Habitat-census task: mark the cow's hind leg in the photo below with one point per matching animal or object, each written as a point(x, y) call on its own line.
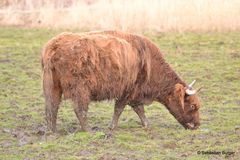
point(81, 109)
point(139, 109)
point(53, 93)
point(118, 109)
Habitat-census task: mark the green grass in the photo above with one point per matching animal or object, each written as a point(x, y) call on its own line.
point(213, 59)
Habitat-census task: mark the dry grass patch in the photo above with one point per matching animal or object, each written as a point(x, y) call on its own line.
point(134, 15)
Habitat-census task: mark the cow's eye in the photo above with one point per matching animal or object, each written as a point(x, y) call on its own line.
point(193, 107)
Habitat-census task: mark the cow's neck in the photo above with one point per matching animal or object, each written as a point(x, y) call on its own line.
point(163, 79)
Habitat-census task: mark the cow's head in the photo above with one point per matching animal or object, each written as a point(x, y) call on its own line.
point(183, 104)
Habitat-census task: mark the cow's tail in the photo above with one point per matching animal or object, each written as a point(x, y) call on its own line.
point(51, 90)
point(47, 77)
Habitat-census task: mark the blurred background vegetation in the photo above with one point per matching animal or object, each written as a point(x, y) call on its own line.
point(131, 15)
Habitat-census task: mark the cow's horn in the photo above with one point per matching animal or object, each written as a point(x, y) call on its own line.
point(191, 85)
point(190, 92)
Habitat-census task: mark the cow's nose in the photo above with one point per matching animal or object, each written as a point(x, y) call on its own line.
point(190, 125)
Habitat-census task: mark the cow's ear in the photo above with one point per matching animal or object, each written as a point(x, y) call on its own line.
point(179, 93)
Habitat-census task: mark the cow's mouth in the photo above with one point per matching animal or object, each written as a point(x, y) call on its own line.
point(191, 126)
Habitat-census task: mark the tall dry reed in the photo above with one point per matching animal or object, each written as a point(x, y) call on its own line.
point(131, 15)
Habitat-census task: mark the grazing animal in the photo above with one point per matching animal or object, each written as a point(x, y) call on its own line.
point(108, 65)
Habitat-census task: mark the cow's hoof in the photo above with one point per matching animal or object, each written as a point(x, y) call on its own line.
point(86, 129)
point(111, 126)
point(145, 125)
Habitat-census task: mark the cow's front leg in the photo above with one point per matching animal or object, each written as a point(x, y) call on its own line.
point(139, 109)
point(81, 110)
point(118, 109)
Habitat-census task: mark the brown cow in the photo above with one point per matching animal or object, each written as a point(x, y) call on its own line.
point(128, 68)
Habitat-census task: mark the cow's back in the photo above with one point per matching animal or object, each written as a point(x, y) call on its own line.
point(100, 66)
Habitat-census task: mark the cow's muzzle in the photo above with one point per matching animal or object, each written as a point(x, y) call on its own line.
point(191, 126)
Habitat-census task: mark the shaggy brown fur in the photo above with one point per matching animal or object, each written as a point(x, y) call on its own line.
point(112, 65)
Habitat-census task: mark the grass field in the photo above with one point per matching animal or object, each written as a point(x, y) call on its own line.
point(213, 59)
